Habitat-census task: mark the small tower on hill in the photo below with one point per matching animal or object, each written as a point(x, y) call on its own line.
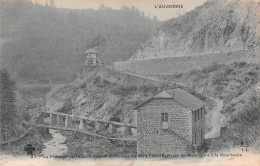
point(91, 61)
point(91, 58)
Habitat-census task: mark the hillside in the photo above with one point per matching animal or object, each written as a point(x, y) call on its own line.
point(242, 122)
point(214, 27)
point(41, 42)
point(111, 99)
point(235, 84)
point(110, 96)
point(185, 64)
point(15, 108)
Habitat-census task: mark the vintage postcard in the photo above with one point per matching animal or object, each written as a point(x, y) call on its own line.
point(130, 82)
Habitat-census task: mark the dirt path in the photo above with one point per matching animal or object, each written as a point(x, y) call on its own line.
point(55, 146)
point(215, 120)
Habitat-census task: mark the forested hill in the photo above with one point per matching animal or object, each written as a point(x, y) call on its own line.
point(38, 42)
point(215, 27)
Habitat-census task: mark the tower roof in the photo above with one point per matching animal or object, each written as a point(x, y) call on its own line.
point(91, 50)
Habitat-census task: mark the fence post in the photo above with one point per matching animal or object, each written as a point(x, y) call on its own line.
point(82, 124)
point(68, 122)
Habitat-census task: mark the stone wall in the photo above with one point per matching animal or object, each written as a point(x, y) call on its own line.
point(198, 126)
point(170, 66)
point(118, 77)
point(152, 139)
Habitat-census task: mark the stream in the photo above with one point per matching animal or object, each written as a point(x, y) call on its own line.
point(216, 120)
point(56, 146)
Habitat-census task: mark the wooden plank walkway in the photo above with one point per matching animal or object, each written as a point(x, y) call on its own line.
point(90, 119)
point(84, 132)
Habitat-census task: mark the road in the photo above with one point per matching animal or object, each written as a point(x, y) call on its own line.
point(215, 120)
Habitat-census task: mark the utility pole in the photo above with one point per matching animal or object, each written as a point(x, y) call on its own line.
point(96, 102)
point(44, 101)
point(44, 108)
point(73, 127)
point(94, 112)
point(123, 101)
point(50, 81)
point(95, 133)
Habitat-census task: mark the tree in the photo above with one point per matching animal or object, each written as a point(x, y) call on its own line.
point(46, 4)
point(154, 18)
point(101, 7)
point(52, 3)
point(7, 99)
point(143, 15)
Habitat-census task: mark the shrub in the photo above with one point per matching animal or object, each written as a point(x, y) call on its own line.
point(26, 116)
point(116, 119)
point(123, 90)
point(213, 67)
point(97, 80)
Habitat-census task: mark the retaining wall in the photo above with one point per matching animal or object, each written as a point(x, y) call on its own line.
point(170, 66)
point(114, 76)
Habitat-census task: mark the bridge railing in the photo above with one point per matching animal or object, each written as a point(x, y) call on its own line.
point(82, 124)
point(90, 119)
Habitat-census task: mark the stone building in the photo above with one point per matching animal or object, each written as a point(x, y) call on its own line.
point(91, 58)
point(170, 123)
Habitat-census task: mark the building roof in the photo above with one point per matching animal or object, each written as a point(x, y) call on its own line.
point(181, 96)
point(91, 50)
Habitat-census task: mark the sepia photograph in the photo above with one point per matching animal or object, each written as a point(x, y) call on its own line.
point(130, 82)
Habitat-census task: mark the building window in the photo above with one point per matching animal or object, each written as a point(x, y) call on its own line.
point(195, 115)
point(195, 138)
point(198, 114)
point(201, 113)
point(164, 117)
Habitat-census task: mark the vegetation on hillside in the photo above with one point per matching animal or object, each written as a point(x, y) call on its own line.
point(41, 42)
point(236, 85)
point(15, 104)
point(100, 98)
point(216, 26)
point(10, 122)
point(232, 83)
point(109, 100)
point(242, 123)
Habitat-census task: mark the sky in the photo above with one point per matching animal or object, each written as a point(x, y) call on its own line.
point(148, 6)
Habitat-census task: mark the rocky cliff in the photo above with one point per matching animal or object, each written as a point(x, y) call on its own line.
point(108, 95)
point(214, 27)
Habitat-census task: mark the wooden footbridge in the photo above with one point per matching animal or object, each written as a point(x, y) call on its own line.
point(86, 125)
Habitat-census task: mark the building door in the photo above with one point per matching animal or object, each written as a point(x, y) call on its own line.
point(90, 62)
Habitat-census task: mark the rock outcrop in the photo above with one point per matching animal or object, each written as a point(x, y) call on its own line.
point(214, 27)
